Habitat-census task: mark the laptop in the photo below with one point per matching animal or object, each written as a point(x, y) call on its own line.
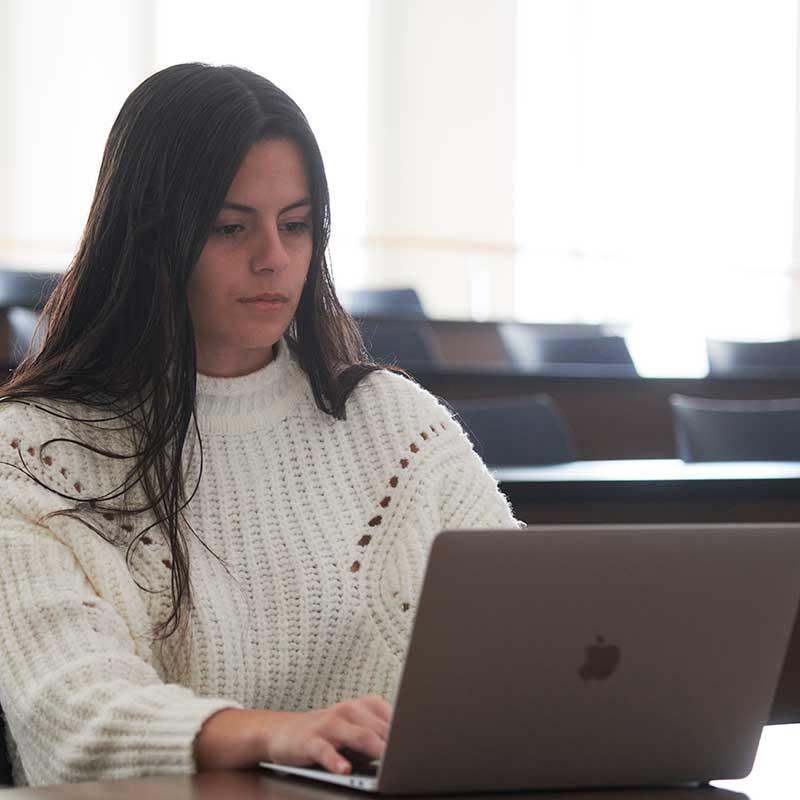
point(558, 657)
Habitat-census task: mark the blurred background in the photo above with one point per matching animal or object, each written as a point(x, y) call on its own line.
point(630, 163)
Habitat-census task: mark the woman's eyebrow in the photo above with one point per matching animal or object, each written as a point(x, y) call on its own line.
point(303, 201)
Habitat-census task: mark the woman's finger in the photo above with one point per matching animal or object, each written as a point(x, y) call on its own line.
point(355, 737)
point(326, 755)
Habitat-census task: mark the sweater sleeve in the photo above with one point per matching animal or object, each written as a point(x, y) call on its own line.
point(450, 479)
point(78, 685)
point(468, 494)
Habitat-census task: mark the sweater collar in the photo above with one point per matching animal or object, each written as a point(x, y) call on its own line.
point(254, 401)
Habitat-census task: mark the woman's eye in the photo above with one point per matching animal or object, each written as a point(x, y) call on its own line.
point(296, 227)
point(229, 231)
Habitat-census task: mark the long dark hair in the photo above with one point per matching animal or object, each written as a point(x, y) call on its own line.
point(117, 330)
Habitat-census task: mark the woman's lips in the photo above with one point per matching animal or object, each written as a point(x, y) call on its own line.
point(265, 305)
point(265, 297)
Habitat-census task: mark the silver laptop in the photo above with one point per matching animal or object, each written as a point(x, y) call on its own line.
point(589, 656)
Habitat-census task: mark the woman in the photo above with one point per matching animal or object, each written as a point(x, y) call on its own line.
point(214, 511)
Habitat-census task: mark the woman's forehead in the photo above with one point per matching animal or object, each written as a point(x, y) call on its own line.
point(272, 176)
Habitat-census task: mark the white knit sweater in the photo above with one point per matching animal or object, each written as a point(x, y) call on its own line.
point(324, 527)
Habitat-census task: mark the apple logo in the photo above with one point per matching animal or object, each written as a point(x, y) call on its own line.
point(601, 660)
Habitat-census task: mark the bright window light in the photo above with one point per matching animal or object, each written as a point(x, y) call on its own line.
point(655, 169)
point(317, 52)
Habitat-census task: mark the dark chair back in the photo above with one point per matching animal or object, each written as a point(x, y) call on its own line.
point(404, 303)
point(407, 343)
point(737, 358)
point(521, 339)
point(531, 350)
point(517, 431)
point(22, 296)
point(6, 778)
point(736, 430)
point(26, 289)
point(23, 335)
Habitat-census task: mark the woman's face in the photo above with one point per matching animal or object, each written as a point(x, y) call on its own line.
point(245, 287)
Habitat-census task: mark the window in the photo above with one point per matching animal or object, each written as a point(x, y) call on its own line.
point(64, 77)
point(656, 166)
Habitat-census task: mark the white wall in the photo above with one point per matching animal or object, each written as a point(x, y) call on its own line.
point(64, 62)
point(441, 153)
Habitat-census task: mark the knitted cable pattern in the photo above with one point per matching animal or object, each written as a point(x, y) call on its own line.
point(322, 527)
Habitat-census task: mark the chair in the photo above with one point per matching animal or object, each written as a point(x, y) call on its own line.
point(531, 350)
point(517, 431)
point(22, 333)
point(6, 778)
point(737, 358)
point(403, 303)
point(22, 296)
point(736, 430)
point(26, 289)
point(409, 343)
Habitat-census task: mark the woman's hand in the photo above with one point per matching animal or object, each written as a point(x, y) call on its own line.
point(317, 737)
point(235, 738)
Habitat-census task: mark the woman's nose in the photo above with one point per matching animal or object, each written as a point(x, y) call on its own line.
point(270, 252)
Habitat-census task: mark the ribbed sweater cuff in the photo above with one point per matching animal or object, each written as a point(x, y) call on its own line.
point(154, 735)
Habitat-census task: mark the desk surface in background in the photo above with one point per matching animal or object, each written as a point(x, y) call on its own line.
point(652, 469)
point(653, 491)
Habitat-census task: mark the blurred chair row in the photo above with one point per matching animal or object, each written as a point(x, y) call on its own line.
point(532, 430)
point(501, 346)
point(397, 329)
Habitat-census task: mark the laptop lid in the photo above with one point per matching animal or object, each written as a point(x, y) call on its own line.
point(570, 656)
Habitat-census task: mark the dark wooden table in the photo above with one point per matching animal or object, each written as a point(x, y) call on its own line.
point(653, 491)
point(775, 776)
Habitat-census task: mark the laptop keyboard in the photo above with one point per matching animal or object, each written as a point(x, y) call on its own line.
point(361, 764)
